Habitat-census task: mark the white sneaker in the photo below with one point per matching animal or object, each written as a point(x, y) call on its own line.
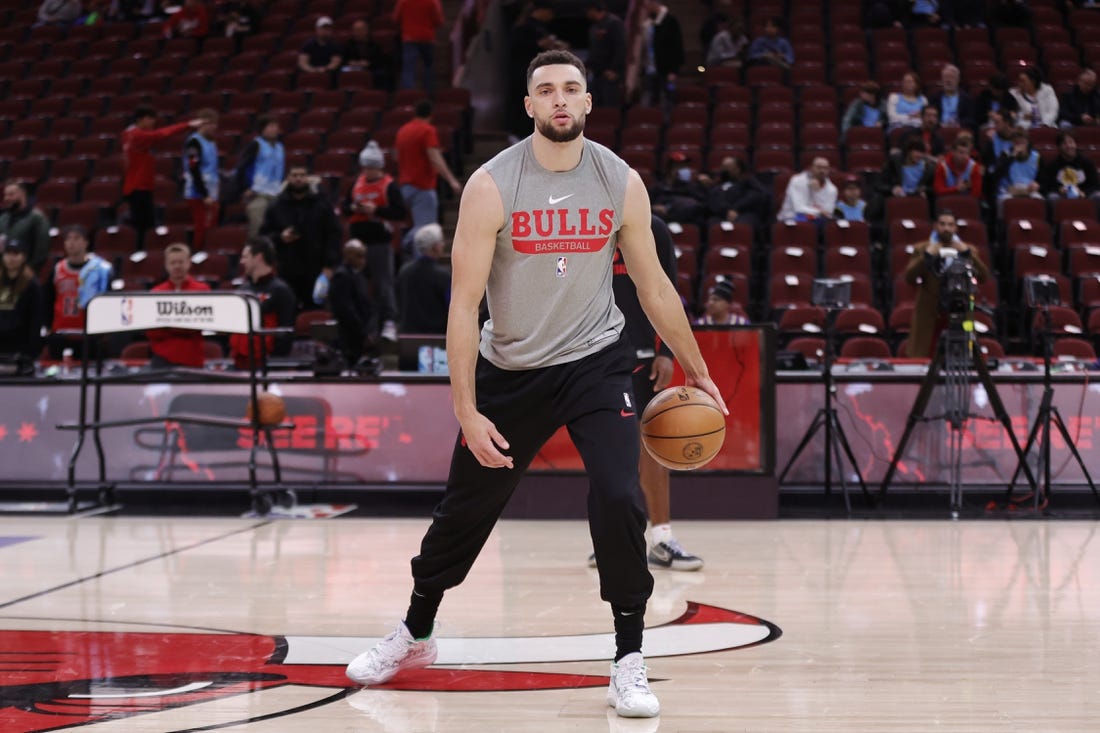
point(389, 331)
point(397, 652)
point(629, 691)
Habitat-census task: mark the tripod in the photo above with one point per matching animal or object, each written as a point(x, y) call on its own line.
point(1048, 413)
point(955, 352)
point(826, 417)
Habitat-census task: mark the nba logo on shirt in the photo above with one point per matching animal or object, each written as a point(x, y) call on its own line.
point(126, 311)
point(561, 266)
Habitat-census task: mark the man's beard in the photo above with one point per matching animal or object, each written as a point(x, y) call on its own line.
point(556, 135)
point(298, 190)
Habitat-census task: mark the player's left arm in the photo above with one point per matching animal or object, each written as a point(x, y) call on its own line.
point(658, 296)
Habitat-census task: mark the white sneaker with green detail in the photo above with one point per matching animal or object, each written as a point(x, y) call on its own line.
point(397, 652)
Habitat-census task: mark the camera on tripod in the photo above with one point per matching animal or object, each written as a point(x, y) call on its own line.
point(958, 284)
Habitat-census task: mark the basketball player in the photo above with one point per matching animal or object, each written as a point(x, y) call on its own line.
point(652, 374)
point(537, 229)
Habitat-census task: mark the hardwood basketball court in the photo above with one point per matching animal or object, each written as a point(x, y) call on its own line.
point(185, 624)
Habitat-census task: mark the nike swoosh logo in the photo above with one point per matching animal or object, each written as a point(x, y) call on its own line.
point(624, 413)
point(553, 200)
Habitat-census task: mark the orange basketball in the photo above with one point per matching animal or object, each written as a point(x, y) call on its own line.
point(272, 409)
point(683, 428)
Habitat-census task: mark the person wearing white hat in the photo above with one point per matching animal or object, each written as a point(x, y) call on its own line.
point(373, 202)
point(321, 53)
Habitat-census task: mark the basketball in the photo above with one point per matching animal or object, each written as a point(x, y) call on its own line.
point(272, 409)
point(683, 428)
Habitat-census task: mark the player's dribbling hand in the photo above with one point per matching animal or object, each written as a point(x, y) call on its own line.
point(483, 439)
point(710, 388)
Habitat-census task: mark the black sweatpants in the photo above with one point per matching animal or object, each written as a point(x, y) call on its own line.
point(593, 398)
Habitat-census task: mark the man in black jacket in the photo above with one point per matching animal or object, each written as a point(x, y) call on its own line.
point(349, 301)
point(737, 197)
point(662, 52)
point(306, 233)
point(1081, 105)
point(423, 286)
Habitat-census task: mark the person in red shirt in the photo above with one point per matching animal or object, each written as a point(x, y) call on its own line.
point(192, 21)
point(418, 21)
point(419, 163)
point(137, 159)
point(172, 347)
point(957, 172)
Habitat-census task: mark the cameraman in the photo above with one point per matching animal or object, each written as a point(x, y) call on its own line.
point(928, 262)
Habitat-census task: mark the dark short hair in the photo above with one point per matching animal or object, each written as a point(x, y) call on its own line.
point(263, 248)
point(946, 212)
point(75, 229)
point(263, 121)
point(143, 111)
point(423, 108)
point(914, 143)
point(552, 58)
point(1063, 135)
point(1019, 133)
point(1033, 73)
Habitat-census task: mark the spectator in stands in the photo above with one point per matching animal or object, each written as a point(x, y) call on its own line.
point(202, 175)
point(320, 53)
point(374, 201)
point(1070, 175)
point(239, 18)
point(867, 110)
point(719, 309)
point(137, 158)
point(928, 133)
point(530, 36)
point(681, 197)
point(1038, 104)
point(851, 206)
point(278, 307)
point(957, 172)
point(1017, 171)
point(306, 233)
point(996, 97)
point(1080, 106)
point(909, 173)
point(903, 109)
point(172, 347)
point(737, 196)
point(925, 13)
point(73, 281)
point(810, 195)
point(606, 55)
point(191, 21)
point(350, 303)
point(361, 53)
point(420, 162)
point(771, 48)
point(925, 265)
point(662, 52)
point(418, 21)
point(998, 137)
point(954, 105)
point(59, 11)
point(424, 286)
point(261, 171)
point(21, 309)
point(729, 46)
point(25, 223)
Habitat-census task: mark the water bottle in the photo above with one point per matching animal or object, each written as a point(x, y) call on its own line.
point(320, 289)
point(67, 362)
point(424, 360)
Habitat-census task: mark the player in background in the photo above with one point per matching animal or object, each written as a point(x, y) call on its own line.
point(652, 374)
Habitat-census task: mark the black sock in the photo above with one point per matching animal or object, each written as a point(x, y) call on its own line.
point(420, 619)
point(629, 622)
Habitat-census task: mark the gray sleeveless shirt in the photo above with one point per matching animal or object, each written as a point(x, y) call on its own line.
point(549, 290)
